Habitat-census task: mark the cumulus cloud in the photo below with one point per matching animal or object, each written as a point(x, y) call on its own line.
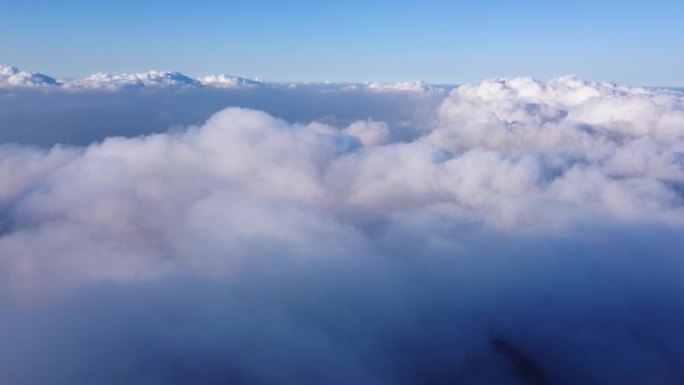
point(594, 145)
point(12, 77)
point(21, 166)
point(520, 232)
point(157, 79)
point(369, 132)
point(151, 79)
point(229, 81)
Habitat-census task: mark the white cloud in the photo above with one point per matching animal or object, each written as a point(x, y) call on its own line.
point(11, 77)
point(151, 79)
point(544, 214)
point(417, 86)
point(228, 81)
point(21, 167)
point(624, 143)
point(369, 132)
point(511, 162)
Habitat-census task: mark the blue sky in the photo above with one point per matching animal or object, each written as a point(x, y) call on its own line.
point(630, 42)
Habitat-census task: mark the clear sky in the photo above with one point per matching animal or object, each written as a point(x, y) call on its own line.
point(631, 42)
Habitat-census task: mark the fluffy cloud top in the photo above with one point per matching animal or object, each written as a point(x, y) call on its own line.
point(574, 136)
point(525, 232)
point(228, 81)
point(151, 79)
point(11, 77)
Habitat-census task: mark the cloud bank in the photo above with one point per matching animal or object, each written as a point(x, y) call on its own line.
point(513, 232)
point(151, 79)
point(82, 111)
point(12, 78)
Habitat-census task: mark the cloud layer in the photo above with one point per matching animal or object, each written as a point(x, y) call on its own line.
point(515, 232)
point(13, 78)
